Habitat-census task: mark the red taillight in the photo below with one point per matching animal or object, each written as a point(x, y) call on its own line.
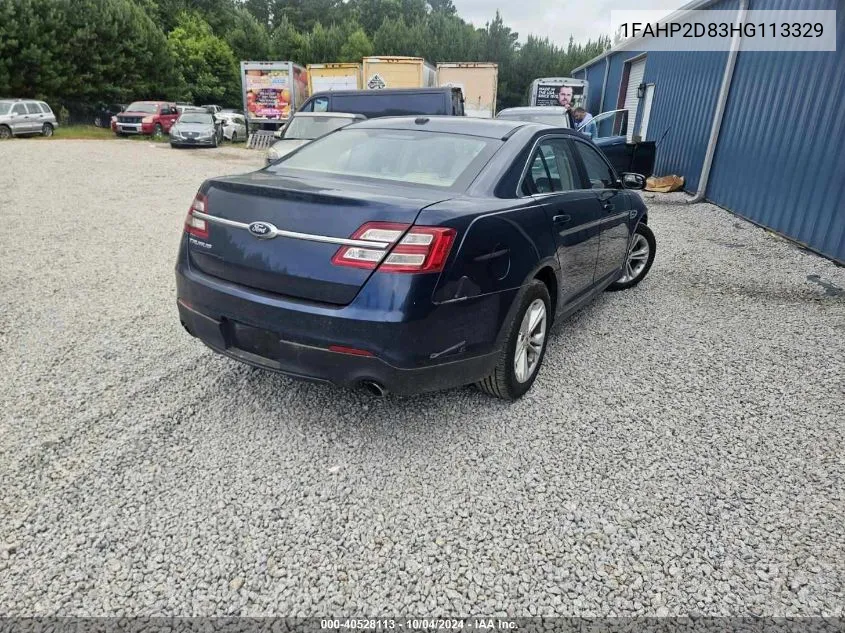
point(194, 225)
point(423, 249)
point(354, 351)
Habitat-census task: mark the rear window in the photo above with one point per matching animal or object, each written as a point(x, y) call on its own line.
point(372, 104)
point(424, 158)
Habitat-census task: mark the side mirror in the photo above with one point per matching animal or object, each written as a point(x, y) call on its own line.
point(633, 181)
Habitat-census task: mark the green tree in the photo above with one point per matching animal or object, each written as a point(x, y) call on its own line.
point(357, 45)
point(249, 39)
point(207, 63)
point(286, 43)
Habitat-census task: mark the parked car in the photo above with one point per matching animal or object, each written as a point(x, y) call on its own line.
point(104, 113)
point(635, 155)
point(389, 102)
point(410, 254)
point(234, 125)
point(21, 117)
point(187, 107)
point(196, 129)
point(145, 117)
point(304, 127)
point(550, 115)
point(213, 109)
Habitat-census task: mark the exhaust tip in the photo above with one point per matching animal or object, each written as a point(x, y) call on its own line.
point(374, 388)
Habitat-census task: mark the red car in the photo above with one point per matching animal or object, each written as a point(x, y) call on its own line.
point(145, 117)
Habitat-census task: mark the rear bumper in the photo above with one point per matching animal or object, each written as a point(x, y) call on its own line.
point(436, 348)
point(191, 142)
point(321, 365)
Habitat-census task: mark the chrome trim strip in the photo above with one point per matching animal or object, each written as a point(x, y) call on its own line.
point(324, 239)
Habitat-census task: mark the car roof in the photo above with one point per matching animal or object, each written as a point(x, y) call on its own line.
point(487, 128)
point(386, 91)
point(534, 110)
point(342, 115)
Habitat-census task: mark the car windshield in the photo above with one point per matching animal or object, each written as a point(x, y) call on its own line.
point(140, 106)
point(549, 119)
point(426, 158)
point(5, 107)
point(310, 127)
point(196, 117)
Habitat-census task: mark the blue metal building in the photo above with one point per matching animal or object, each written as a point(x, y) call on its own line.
point(778, 155)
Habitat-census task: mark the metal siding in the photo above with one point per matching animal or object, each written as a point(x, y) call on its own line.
point(780, 160)
point(686, 86)
point(594, 75)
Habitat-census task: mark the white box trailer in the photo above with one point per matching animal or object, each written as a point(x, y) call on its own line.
point(558, 91)
point(398, 72)
point(478, 82)
point(327, 77)
point(272, 91)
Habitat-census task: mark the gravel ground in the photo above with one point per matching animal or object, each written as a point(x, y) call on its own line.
point(681, 451)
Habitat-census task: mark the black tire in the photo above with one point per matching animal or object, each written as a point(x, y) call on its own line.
point(216, 141)
point(646, 233)
point(234, 138)
point(158, 131)
point(502, 381)
point(5, 132)
point(47, 130)
point(98, 122)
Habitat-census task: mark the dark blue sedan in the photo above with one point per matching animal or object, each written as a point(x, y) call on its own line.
point(410, 254)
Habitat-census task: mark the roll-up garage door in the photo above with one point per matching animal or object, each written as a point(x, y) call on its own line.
point(635, 78)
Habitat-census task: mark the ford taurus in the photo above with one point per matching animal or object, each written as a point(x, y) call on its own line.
point(410, 254)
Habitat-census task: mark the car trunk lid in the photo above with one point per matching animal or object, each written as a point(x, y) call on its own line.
point(251, 219)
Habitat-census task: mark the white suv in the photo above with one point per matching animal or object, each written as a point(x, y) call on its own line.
point(19, 117)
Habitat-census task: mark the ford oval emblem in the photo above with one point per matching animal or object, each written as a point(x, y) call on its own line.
point(264, 230)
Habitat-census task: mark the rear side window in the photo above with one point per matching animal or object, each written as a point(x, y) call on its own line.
point(425, 158)
point(599, 173)
point(33, 108)
point(374, 104)
point(552, 169)
point(45, 108)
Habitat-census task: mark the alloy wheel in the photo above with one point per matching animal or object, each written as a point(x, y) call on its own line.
point(637, 258)
point(530, 341)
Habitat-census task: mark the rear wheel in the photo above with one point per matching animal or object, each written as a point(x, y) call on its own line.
point(640, 257)
point(46, 130)
point(523, 351)
point(234, 137)
point(158, 131)
point(5, 132)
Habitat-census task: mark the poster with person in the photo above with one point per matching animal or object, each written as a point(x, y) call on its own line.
point(560, 95)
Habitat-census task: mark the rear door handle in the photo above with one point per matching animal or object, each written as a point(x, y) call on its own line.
point(561, 219)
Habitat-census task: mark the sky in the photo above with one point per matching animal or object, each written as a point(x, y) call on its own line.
point(555, 19)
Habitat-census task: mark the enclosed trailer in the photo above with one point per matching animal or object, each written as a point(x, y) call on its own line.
point(272, 91)
point(558, 91)
point(478, 82)
point(398, 72)
point(326, 77)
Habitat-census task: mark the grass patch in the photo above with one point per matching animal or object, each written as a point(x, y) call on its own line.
point(82, 132)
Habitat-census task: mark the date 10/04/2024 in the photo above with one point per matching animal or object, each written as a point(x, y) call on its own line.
point(419, 624)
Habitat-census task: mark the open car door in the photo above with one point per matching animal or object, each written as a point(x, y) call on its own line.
point(611, 138)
